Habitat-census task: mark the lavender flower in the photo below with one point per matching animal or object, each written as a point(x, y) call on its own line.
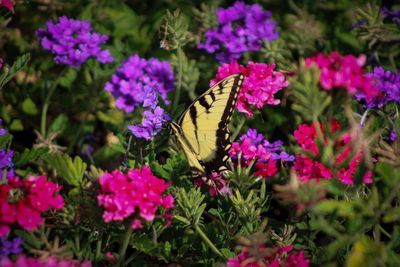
point(6, 163)
point(241, 28)
point(2, 130)
point(151, 124)
point(139, 82)
point(388, 85)
point(8, 247)
point(393, 135)
point(73, 42)
point(393, 14)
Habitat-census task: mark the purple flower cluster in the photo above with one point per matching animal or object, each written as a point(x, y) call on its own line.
point(388, 85)
point(73, 42)
point(241, 28)
point(2, 130)
point(8, 247)
point(139, 82)
point(393, 14)
point(6, 156)
point(151, 124)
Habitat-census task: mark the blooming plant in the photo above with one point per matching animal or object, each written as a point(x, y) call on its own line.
point(91, 173)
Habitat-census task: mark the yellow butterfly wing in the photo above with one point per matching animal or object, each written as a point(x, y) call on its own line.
point(202, 131)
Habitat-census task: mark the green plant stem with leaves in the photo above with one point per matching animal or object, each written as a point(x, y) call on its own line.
point(178, 90)
point(47, 103)
point(125, 243)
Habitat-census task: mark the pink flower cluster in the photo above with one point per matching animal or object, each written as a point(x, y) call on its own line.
point(282, 256)
point(216, 184)
point(124, 194)
point(7, 4)
point(310, 169)
point(25, 261)
point(343, 72)
point(260, 84)
point(23, 201)
point(254, 148)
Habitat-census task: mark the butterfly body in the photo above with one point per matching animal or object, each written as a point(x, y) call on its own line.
point(202, 130)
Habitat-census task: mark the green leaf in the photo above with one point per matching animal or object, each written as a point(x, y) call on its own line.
point(16, 125)
point(71, 171)
point(19, 64)
point(28, 155)
point(227, 253)
point(68, 78)
point(59, 124)
point(392, 215)
point(327, 206)
point(29, 107)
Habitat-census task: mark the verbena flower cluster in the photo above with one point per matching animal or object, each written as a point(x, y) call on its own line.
point(346, 72)
point(139, 82)
point(137, 194)
point(241, 28)
point(216, 184)
point(388, 85)
point(23, 201)
point(260, 84)
point(7, 4)
point(26, 261)
point(151, 124)
point(393, 14)
point(8, 247)
point(6, 156)
point(255, 148)
point(73, 42)
point(309, 169)
point(283, 256)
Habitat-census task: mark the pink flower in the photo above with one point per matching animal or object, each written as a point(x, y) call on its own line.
point(309, 169)
point(343, 72)
point(260, 84)
point(25, 261)
point(7, 4)
point(273, 258)
point(255, 148)
point(35, 195)
point(216, 184)
point(137, 193)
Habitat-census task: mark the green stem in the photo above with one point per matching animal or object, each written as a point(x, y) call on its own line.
point(207, 241)
point(179, 81)
point(125, 243)
point(240, 126)
point(98, 248)
point(47, 102)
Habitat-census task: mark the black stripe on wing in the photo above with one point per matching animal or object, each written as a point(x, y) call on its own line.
point(223, 142)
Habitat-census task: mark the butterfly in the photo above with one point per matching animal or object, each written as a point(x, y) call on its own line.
point(202, 130)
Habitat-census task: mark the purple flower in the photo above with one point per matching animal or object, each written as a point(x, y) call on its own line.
point(393, 14)
point(388, 85)
point(151, 124)
point(8, 247)
point(6, 163)
point(393, 135)
point(73, 42)
point(241, 28)
point(2, 130)
point(139, 82)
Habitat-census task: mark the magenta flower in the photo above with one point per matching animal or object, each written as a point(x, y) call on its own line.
point(9, 4)
point(255, 148)
point(23, 261)
point(137, 193)
point(36, 195)
point(343, 72)
point(260, 84)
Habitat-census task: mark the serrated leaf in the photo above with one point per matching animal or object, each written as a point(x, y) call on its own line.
point(19, 64)
point(28, 155)
point(71, 170)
